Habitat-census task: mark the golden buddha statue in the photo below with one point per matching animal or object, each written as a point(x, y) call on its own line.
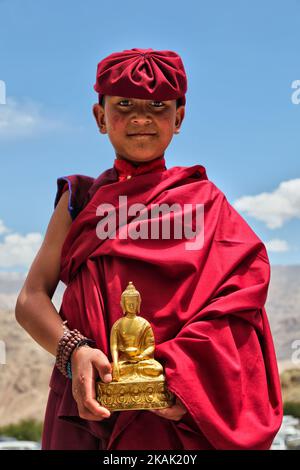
point(132, 342)
point(138, 381)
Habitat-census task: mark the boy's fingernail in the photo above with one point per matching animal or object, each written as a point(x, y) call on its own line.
point(108, 377)
point(105, 412)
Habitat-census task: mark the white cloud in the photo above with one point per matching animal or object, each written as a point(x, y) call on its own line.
point(24, 119)
point(3, 228)
point(274, 208)
point(19, 250)
point(277, 246)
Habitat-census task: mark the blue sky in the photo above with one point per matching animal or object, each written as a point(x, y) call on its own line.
point(241, 59)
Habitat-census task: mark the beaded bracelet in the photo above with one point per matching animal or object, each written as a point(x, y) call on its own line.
point(83, 342)
point(68, 342)
point(69, 370)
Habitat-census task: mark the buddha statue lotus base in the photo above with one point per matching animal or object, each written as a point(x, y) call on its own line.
point(134, 395)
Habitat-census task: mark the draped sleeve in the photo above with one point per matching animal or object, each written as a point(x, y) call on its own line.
point(78, 186)
point(222, 363)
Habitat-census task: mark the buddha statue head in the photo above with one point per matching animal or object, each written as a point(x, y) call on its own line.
point(130, 300)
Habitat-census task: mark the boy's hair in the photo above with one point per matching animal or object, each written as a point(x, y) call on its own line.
point(102, 101)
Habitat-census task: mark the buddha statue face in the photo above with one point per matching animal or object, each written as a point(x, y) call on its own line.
point(131, 304)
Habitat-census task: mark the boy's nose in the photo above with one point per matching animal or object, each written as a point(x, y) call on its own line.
point(141, 120)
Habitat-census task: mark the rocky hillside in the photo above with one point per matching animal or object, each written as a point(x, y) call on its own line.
point(25, 375)
point(283, 308)
point(290, 385)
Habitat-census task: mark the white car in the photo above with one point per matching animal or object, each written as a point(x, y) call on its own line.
point(20, 445)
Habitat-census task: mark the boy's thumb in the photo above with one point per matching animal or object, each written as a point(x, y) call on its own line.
point(104, 368)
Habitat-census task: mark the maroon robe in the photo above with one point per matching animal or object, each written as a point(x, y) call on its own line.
point(206, 308)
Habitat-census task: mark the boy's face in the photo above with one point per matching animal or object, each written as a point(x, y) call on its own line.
point(123, 118)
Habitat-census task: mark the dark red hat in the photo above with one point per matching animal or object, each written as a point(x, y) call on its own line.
point(142, 73)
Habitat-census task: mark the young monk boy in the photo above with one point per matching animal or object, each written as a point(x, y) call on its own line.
point(204, 300)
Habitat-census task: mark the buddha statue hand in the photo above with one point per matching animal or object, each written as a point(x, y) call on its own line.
point(140, 357)
point(131, 352)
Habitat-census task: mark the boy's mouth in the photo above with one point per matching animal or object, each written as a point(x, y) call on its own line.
point(141, 135)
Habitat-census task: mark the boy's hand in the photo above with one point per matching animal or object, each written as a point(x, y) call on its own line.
point(174, 412)
point(86, 362)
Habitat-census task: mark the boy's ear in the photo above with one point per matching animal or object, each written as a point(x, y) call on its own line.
point(99, 115)
point(179, 118)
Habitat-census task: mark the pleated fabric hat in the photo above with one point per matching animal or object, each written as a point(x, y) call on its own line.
point(142, 73)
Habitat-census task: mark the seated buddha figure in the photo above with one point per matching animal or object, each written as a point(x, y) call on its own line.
point(132, 343)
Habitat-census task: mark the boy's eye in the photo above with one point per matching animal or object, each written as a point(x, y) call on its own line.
point(159, 102)
point(124, 101)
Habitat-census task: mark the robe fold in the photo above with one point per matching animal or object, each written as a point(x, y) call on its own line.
point(205, 305)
